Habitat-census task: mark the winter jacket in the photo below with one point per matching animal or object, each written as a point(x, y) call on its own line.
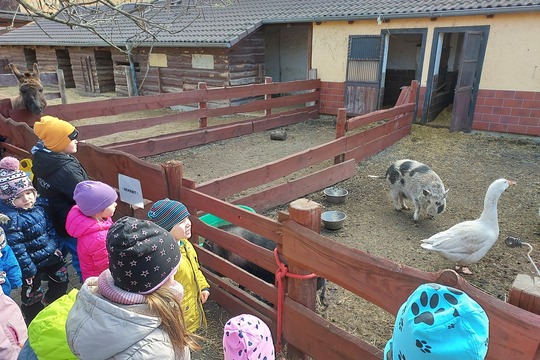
point(14, 332)
point(56, 175)
point(91, 241)
point(47, 332)
point(31, 236)
point(97, 328)
point(191, 277)
point(10, 265)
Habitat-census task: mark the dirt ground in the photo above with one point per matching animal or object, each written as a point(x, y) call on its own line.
point(467, 164)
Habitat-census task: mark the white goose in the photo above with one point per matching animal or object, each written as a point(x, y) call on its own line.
point(467, 242)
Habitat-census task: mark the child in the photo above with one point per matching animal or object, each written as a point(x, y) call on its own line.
point(56, 173)
point(32, 238)
point(132, 310)
point(10, 271)
point(247, 337)
point(89, 221)
point(13, 333)
point(173, 216)
point(47, 332)
point(439, 322)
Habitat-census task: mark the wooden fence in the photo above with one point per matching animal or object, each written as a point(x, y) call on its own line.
point(514, 332)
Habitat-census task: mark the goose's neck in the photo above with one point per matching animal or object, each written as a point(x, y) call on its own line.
point(490, 206)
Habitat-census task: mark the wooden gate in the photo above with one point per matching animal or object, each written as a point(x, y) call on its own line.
point(463, 109)
point(363, 74)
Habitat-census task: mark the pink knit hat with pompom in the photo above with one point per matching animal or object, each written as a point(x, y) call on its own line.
point(12, 180)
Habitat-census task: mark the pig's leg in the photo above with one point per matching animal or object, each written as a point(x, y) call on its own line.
point(416, 210)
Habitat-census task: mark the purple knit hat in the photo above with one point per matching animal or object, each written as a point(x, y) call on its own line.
point(12, 180)
point(167, 213)
point(142, 256)
point(247, 337)
point(93, 197)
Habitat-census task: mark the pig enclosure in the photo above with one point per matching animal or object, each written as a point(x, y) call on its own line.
point(467, 164)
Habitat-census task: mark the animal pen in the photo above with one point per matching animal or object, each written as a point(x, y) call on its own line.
point(301, 250)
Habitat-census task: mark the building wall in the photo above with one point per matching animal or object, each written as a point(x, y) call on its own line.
point(511, 68)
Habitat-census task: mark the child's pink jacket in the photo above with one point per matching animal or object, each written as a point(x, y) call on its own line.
point(14, 332)
point(91, 241)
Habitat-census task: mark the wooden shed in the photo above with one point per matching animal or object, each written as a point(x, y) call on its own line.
point(476, 57)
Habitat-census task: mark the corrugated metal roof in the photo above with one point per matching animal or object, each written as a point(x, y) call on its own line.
point(223, 26)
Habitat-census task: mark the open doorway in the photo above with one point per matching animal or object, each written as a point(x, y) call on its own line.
point(379, 66)
point(64, 63)
point(454, 76)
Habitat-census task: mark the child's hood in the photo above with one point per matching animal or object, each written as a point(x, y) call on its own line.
point(78, 224)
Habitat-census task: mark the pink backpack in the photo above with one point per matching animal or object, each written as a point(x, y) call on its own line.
point(14, 332)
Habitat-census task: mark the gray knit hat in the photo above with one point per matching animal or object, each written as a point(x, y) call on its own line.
point(142, 256)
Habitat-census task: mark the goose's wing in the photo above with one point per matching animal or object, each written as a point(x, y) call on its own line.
point(466, 238)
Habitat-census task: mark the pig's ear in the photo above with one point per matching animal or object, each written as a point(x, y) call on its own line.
point(426, 192)
point(446, 192)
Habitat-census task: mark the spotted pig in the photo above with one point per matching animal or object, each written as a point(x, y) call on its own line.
point(417, 182)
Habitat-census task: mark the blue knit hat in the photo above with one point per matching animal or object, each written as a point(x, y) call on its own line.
point(167, 213)
point(439, 323)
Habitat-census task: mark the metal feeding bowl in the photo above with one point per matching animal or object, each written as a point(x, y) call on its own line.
point(335, 195)
point(333, 220)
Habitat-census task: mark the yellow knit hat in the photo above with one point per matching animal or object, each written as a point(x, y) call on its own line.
point(54, 132)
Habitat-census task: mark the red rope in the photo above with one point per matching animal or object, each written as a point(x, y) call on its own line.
point(281, 272)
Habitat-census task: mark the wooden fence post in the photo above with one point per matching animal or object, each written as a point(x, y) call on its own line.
point(173, 175)
point(62, 85)
point(304, 291)
point(341, 129)
point(525, 293)
point(267, 80)
point(312, 75)
point(203, 122)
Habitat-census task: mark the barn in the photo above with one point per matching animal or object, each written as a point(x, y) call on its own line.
point(477, 57)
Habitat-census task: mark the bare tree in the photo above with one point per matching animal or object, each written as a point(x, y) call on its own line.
point(121, 23)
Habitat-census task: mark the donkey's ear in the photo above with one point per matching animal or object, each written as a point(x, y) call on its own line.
point(36, 70)
point(15, 71)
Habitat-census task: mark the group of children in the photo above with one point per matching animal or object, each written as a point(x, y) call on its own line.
point(139, 276)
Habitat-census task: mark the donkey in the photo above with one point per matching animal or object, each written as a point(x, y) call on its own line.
point(31, 95)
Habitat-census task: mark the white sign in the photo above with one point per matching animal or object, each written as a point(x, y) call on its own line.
point(130, 191)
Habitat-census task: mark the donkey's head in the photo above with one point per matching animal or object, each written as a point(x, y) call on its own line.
point(31, 94)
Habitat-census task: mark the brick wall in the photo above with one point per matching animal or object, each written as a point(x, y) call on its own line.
point(515, 112)
point(332, 97)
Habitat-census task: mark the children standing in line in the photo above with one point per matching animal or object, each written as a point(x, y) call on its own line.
point(246, 337)
point(56, 173)
point(89, 221)
point(10, 271)
point(132, 310)
point(173, 216)
point(32, 238)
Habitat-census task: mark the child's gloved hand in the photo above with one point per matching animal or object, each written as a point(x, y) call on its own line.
point(4, 219)
point(3, 277)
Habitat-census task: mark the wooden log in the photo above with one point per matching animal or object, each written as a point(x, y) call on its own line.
point(525, 293)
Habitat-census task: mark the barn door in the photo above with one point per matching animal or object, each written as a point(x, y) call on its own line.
point(363, 74)
point(462, 112)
